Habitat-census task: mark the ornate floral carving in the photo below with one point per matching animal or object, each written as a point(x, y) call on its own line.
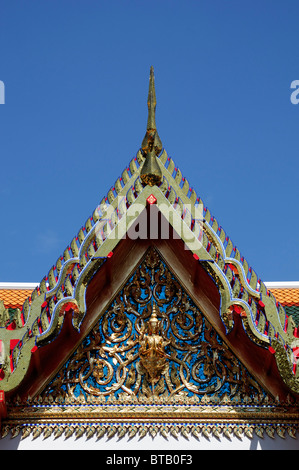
point(153, 342)
point(152, 364)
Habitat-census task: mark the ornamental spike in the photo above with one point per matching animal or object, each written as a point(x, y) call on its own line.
point(151, 102)
point(151, 144)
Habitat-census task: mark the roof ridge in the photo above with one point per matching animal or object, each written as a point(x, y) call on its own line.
point(18, 285)
point(282, 284)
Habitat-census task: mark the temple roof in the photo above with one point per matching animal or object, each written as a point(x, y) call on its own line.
point(14, 295)
point(60, 306)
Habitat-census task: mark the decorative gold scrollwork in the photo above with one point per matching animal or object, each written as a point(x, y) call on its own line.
point(153, 342)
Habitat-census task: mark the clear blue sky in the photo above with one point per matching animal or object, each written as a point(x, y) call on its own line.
point(76, 81)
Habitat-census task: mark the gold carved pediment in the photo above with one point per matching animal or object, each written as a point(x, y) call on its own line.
point(153, 341)
point(152, 363)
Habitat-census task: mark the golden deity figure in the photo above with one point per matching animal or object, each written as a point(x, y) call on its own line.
point(152, 347)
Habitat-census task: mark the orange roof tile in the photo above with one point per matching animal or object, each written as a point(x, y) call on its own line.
point(14, 298)
point(286, 296)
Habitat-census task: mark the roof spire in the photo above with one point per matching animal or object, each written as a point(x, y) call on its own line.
point(151, 144)
point(151, 101)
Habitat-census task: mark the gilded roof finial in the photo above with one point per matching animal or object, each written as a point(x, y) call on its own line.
point(151, 144)
point(151, 102)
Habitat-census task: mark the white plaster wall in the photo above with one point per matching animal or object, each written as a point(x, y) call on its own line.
point(148, 443)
